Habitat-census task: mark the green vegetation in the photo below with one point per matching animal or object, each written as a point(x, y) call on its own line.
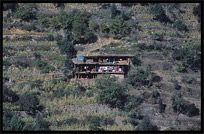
point(138, 76)
point(183, 106)
point(111, 92)
point(12, 122)
point(43, 66)
point(161, 106)
point(29, 102)
point(146, 125)
point(25, 11)
point(9, 95)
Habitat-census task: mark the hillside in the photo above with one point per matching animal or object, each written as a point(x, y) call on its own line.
point(163, 86)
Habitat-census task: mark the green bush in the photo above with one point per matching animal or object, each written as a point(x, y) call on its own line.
point(159, 12)
point(133, 116)
point(161, 106)
point(154, 96)
point(95, 124)
point(24, 11)
point(138, 76)
point(93, 26)
point(181, 68)
point(146, 125)
point(29, 102)
point(65, 45)
point(43, 66)
point(197, 12)
point(111, 92)
point(50, 37)
point(70, 121)
point(176, 85)
point(119, 27)
point(39, 125)
point(180, 26)
point(12, 6)
point(133, 102)
point(9, 95)
point(114, 11)
point(136, 61)
point(182, 106)
point(12, 122)
point(189, 54)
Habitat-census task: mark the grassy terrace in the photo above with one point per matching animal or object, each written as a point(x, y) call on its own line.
point(27, 43)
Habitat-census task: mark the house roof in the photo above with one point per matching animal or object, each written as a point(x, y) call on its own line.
point(109, 55)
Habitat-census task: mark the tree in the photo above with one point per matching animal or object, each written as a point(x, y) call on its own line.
point(25, 12)
point(111, 92)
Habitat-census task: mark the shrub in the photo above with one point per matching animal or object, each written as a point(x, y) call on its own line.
point(158, 36)
point(69, 65)
point(138, 76)
point(114, 10)
point(6, 63)
point(40, 124)
point(136, 61)
point(133, 102)
point(12, 122)
point(111, 92)
point(29, 102)
point(103, 27)
point(7, 6)
point(154, 96)
point(182, 106)
point(146, 125)
point(93, 25)
point(70, 121)
point(50, 37)
point(161, 106)
point(24, 11)
point(9, 95)
point(133, 116)
point(159, 12)
point(197, 12)
point(65, 45)
point(95, 124)
point(176, 85)
point(43, 66)
point(181, 68)
point(119, 27)
point(180, 26)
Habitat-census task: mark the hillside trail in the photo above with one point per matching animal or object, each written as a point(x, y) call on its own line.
point(94, 46)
